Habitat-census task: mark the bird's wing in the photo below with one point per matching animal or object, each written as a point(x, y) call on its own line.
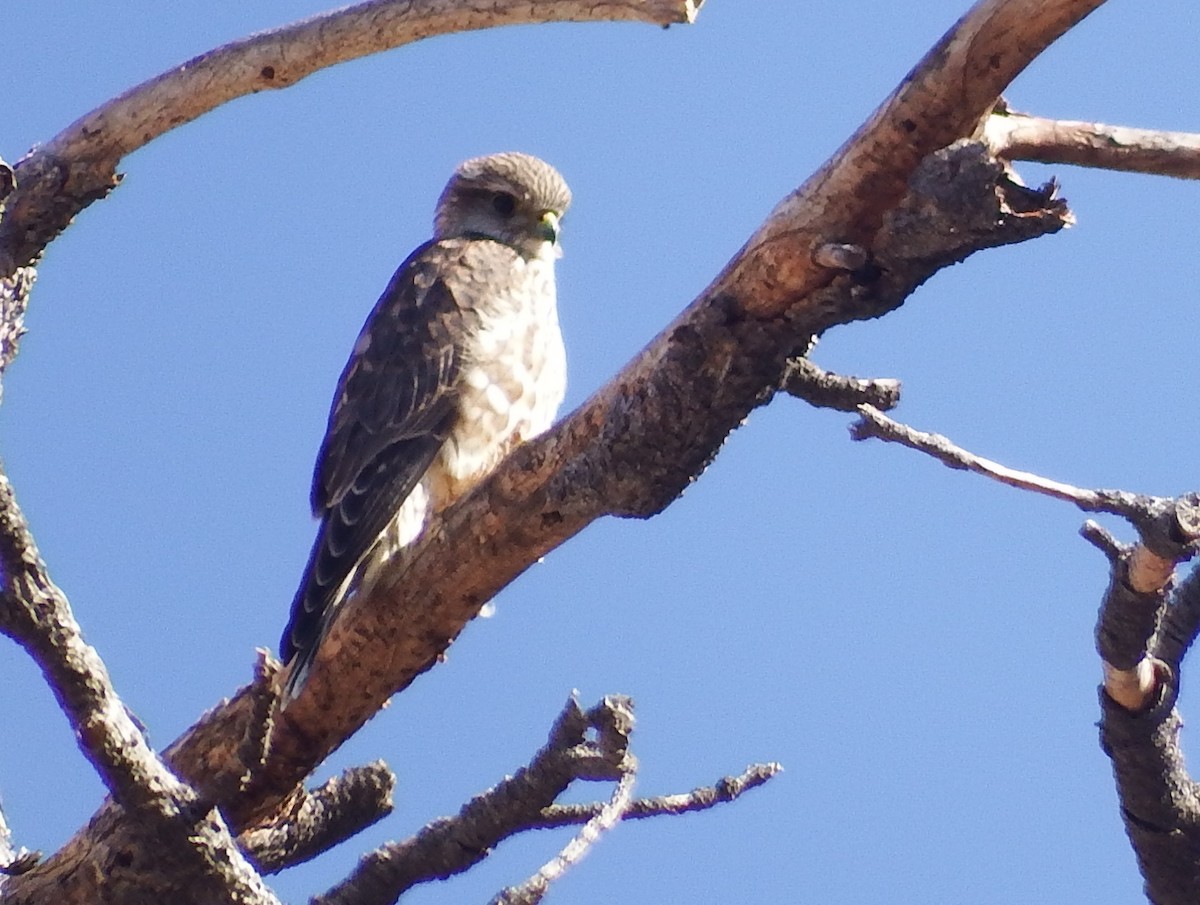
point(394, 407)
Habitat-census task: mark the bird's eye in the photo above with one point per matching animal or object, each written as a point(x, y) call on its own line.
point(504, 204)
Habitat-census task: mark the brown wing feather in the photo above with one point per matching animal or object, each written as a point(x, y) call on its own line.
point(394, 407)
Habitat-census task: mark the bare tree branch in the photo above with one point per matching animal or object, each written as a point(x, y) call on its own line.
point(1019, 136)
point(1126, 624)
point(1168, 525)
point(875, 424)
point(525, 801)
point(1141, 642)
point(606, 817)
point(700, 799)
point(1180, 625)
point(451, 845)
point(1160, 803)
point(1169, 529)
point(1102, 539)
point(631, 449)
point(614, 722)
point(824, 389)
point(35, 614)
point(316, 821)
point(14, 289)
point(78, 166)
point(942, 100)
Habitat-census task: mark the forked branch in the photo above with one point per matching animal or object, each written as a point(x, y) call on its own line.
point(525, 801)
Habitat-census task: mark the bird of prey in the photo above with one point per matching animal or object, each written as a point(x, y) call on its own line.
point(460, 360)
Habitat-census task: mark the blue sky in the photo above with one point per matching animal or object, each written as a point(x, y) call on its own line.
point(913, 644)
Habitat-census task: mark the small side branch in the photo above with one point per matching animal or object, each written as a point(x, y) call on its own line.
point(524, 802)
point(824, 389)
point(874, 424)
point(1168, 529)
point(613, 720)
point(1165, 521)
point(701, 799)
point(1018, 136)
point(317, 821)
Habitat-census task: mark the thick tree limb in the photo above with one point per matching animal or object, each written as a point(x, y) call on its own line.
point(78, 166)
point(1160, 803)
point(1019, 136)
point(943, 99)
point(174, 824)
point(632, 448)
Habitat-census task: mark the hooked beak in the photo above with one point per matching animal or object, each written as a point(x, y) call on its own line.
point(548, 227)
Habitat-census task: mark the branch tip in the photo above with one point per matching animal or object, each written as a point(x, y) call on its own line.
point(825, 389)
point(1103, 540)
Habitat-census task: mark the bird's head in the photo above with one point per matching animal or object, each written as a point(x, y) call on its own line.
point(513, 198)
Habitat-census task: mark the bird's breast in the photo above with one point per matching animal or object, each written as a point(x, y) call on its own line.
point(513, 380)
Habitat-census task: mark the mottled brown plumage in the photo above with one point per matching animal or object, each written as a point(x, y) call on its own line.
point(460, 360)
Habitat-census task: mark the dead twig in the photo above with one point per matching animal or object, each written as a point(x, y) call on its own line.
point(824, 389)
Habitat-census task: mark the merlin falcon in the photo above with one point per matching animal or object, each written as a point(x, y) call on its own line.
point(460, 360)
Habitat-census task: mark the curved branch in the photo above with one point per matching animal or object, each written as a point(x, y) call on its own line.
point(60, 178)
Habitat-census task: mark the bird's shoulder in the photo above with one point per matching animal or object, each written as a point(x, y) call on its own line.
point(401, 379)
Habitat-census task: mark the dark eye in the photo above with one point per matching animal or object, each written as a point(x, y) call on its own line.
point(504, 204)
